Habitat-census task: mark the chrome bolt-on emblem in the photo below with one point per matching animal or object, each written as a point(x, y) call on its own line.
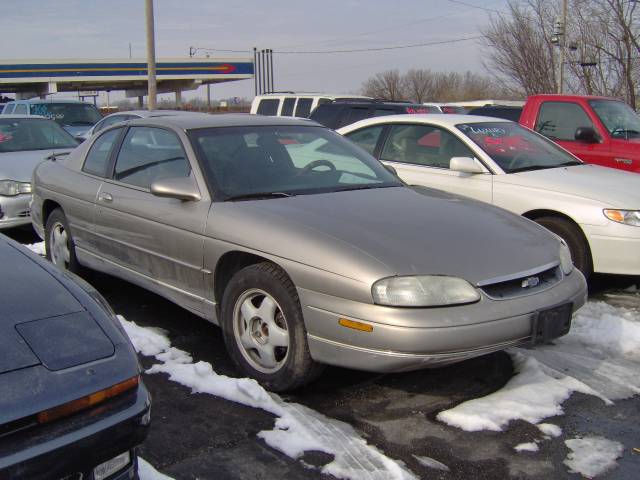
point(530, 282)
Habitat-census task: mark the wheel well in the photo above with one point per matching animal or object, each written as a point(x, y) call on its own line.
point(228, 265)
point(47, 207)
point(536, 214)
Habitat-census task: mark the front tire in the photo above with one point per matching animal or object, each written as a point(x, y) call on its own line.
point(576, 241)
point(264, 330)
point(58, 241)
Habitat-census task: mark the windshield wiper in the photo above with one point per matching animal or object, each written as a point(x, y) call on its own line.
point(569, 164)
point(533, 167)
point(258, 195)
point(363, 187)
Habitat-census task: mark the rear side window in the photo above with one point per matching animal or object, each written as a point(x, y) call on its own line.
point(354, 114)
point(268, 106)
point(97, 159)
point(287, 107)
point(366, 138)
point(560, 120)
point(149, 154)
point(303, 108)
point(21, 109)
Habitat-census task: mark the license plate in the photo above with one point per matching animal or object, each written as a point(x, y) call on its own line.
point(551, 323)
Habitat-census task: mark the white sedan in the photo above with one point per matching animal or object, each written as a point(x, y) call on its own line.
point(596, 210)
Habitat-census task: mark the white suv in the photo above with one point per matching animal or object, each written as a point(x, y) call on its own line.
point(291, 104)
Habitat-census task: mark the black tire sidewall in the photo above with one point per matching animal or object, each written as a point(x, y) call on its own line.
point(575, 241)
point(298, 360)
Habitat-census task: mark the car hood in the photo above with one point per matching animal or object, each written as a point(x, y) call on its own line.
point(613, 187)
point(370, 234)
point(37, 315)
point(20, 165)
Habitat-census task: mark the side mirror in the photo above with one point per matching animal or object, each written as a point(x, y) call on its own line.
point(391, 169)
point(182, 188)
point(466, 165)
point(587, 135)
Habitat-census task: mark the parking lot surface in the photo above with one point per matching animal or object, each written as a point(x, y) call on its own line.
point(205, 436)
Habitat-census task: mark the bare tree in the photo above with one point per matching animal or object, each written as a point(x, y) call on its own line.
point(419, 85)
point(388, 85)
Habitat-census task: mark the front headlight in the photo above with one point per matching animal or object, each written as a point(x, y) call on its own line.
point(566, 263)
point(11, 188)
point(423, 291)
point(628, 217)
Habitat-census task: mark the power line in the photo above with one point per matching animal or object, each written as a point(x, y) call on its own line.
point(193, 50)
point(471, 5)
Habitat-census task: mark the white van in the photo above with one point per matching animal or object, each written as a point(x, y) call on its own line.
point(291, 104)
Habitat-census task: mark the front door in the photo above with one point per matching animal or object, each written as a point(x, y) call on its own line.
point(159, 240)
point(421, 155)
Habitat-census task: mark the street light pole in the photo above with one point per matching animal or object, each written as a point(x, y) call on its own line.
point(151, 56)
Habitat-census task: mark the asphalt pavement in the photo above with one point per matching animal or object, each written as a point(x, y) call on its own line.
point(200, 436)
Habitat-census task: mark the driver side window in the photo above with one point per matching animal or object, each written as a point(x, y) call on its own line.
point(148, 154)
point(366, 138)
point(423, 145)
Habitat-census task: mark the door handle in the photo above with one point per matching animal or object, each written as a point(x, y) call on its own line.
point(105, 197)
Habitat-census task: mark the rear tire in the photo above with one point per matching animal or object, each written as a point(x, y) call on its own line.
point(575, 239)
point(264, 330)
point(58, 242)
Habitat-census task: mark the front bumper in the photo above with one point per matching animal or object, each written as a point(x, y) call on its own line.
point(413, 338)
point(14, 211)
point(74, 446)
point(615, 248)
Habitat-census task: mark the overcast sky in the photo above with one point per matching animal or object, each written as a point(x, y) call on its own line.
point(104, 28)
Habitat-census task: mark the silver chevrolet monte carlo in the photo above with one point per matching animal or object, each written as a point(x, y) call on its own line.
point(303, 261)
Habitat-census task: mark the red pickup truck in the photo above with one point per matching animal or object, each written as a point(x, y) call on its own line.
point(595, 129)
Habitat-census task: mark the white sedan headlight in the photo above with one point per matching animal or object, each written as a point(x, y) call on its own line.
point(423, 291)
point(566, 263)
point(11, 188)
point(628, 217)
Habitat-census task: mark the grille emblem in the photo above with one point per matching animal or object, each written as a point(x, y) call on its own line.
point(530, 282)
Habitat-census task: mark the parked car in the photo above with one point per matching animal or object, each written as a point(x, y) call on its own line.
point(302, 258)
point(344, 112)
point(74, 116)
point(292, 104)
point(118, 117)
point(72, 403)
point(599, 130)
point(506, 112)
point(595, 210)
point(24, 142)
point(445, 108)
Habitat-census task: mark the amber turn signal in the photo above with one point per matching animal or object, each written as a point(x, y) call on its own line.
point(88, 401)
point(363, 327)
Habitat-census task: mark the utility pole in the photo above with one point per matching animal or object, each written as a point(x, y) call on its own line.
point(151, 56)
point(562, 45)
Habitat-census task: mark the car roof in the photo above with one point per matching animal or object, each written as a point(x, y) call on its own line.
point(441, 119)
point(190, 122)
point(561, 96)
point(22, 117)
point(59, 100)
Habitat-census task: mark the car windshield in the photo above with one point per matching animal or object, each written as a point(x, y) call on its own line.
point(516, 149)
point(618, 117)
point(32, 134)
point(67, 114)
point(271, 161)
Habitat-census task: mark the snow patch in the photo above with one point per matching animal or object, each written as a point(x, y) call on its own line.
point(591, 456)
point(37, 248)
point(147, 472)
point(527, 447)
point(549, 429)
point(534, 393)
point(431, 463)
point(298, 429)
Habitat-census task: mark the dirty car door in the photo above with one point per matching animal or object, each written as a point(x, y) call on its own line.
point(156, 242)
